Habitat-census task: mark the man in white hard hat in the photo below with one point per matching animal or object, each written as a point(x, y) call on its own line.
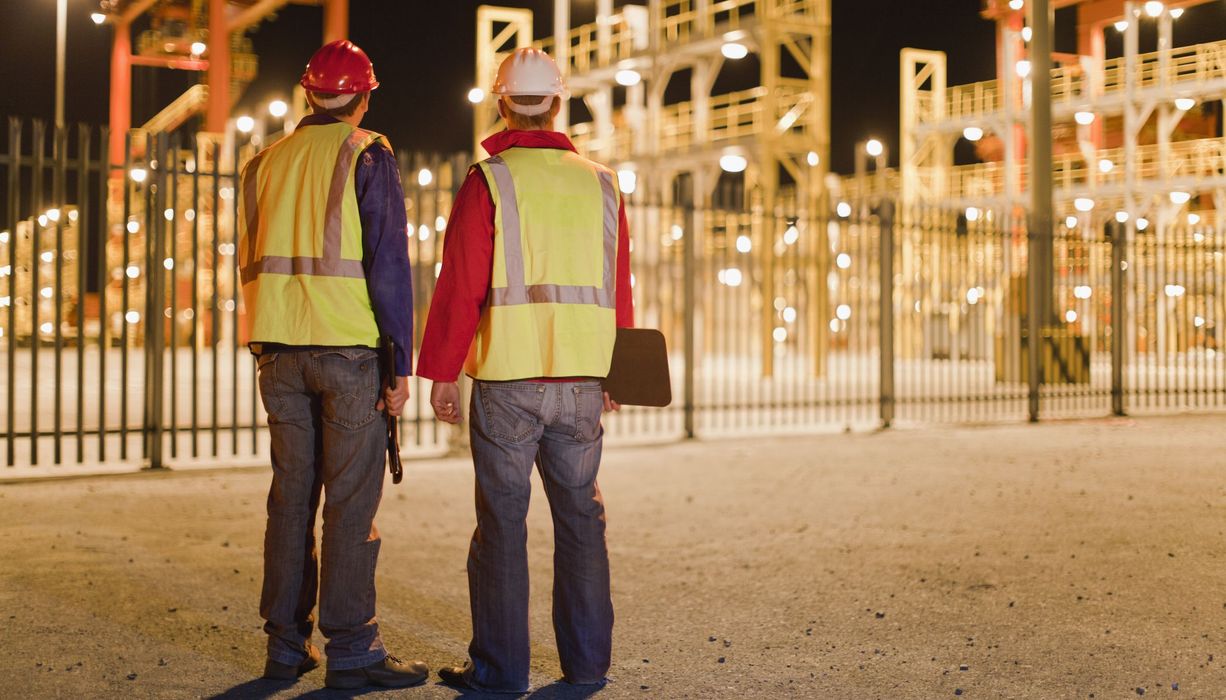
point(535, 281)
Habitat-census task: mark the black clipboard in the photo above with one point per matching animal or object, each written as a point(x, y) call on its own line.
point(638, 375)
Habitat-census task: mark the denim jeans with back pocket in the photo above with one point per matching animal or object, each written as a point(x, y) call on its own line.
point(326, 437)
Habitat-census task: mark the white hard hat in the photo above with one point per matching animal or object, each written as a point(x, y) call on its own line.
point(529, 71)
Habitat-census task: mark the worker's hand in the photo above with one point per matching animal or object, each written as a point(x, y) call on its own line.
point(610, 404)
point(445, 400)
point(393, 399)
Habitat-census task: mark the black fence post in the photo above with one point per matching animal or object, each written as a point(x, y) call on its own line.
point(689, 276)
point(155, 281)
point(1118, 232)
point(885, 221)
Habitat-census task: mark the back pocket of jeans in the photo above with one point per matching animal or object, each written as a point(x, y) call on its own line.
point(589, 405)
point(512, 411)
point(349, 381)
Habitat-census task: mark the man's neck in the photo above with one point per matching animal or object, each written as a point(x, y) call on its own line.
point(353, 120)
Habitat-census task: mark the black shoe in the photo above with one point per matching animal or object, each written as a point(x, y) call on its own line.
point(454, 677)
point(285, 672)
point(388, 673)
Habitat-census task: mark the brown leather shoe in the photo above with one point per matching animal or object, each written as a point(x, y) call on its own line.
point(388, 673)
point(454, 677)
point(285, 672)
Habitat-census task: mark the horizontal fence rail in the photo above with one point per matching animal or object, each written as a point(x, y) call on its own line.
point(122, 341)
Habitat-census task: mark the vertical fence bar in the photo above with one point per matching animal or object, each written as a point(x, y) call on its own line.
point(885, 220)
point(36, 202)
point(58, 176)
point(234, 185)
point(215, 304)
point(689, 240)
point(83, 211)
point(195, 277)
point(155, 326)
point(104, 279)
point(1117, 232)
point(125, 294)
point(171, 272)
point(14, 167)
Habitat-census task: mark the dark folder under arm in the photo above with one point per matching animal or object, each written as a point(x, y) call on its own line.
point(639, 373)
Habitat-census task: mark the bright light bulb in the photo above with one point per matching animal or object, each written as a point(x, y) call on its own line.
point(874, 148)
point(972, 214)
point(1070, 316)
point(476, 96)
point(1121, 26)
point(813, 159)
point(1027, 34)
point(244, 124)
point(743, 244)
point(440, 223)
point(628, 77)
point(424, 177)
point(1105, 166)
point(733, 163)
point(1023, 69)
point(133, 226)
point(1070, 222)
point(1142, 224)
point(843, 312)
point(791, 235)
point(843, 209)
point(1180, 197)
point(132, 272)
point(1153, 8)
point(843, 261)
point(730, 277)
point(198, 48)
point(1184, 103)
point(132, 317)
point(1176, 12)
point(972, 133)
point(138, 174)
point(1083, 291)
point(1121, 216)
point(1016, 4)
point(278, 108)
point(734, 50)
point(97, 17)
point(1193, 219)
point(1084, 118)
point(1083, 204)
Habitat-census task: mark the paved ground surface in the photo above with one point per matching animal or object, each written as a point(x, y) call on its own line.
point(1066, 560)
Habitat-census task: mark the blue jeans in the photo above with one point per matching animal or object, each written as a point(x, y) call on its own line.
point(557, 426)
point(326, 436)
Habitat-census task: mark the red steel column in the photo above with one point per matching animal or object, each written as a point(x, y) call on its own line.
point(336, 20)
point(219, 69)
point(121, 89)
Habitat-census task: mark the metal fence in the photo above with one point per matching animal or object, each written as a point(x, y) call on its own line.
point(775, 322)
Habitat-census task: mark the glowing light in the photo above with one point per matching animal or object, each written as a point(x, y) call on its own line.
point(731, 277)
point(440, 223)
point(843, 312)
point(1027, 34)
point(1198, 321)
point(734, 50)
point(789, 315)
point(1176, 12)
point(972, 214)
point(628, 77)
point(423, 233)
point(226, 193)
point(733, 164)
point(278, 108)
point(476, 96)
point(1193, 219)
point(813, 159)
point(834, 325)
point(5, 301)
point(228, 305)
point(138, 175)
point(73, 216)
point(1153, 8)
point(1105, 166)
point(47, 257)
point(843, 261)
point(1084, 118)
point(132, 317)
point(1023, 69)
point(438, 269)
point(1083, 292)
point(1142, 224)
point(791, 235)
point(46, 292)
point(169, 263)
point(169, 214)
point(1184, 103)
point(972, 133)
point(133, 226)
point(843, 209)
point(874, 148)
point(189, 214)
point(42, 220)
point(1083, 204)
point(1070, 222)
point(1070, 316)
point(1180, 197)
point(53, 214)
point(1175, 290)
point(743, 244)
point(1016, 4)
point(1121, 26)
point(973, 295)
point(425, 177)
point(97, 17)
point(627, 181)
point(780, 334)
point(4, 236)
point(46, 328)
point(1121, 216)
point(676, 232)
point(244, 124)
point(133, 272)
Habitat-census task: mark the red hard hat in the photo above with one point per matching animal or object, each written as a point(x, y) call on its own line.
point(340, 68)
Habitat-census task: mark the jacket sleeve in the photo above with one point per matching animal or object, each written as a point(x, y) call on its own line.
point(385, 250)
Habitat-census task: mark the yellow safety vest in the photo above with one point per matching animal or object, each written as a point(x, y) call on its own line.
point(551, 310)
point(300, 241)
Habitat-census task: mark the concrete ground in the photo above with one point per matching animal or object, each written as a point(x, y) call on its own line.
point(1069, 560)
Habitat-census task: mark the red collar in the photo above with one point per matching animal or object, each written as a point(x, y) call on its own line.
point(513, 138)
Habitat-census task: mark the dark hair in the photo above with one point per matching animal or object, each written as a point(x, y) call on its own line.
point(536, 121)
point(336, 112)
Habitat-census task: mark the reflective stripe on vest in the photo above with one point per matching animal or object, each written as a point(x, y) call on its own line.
point(517, 292)
point(331, 264)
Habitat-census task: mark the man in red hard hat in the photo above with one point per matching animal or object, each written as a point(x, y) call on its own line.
point(325, 269)
point(534, 284)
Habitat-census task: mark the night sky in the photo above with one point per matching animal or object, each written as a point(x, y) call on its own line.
point(423, 52)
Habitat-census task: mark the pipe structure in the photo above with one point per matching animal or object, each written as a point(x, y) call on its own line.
point(336, 20)
point(219, 69)
point(121, 89)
